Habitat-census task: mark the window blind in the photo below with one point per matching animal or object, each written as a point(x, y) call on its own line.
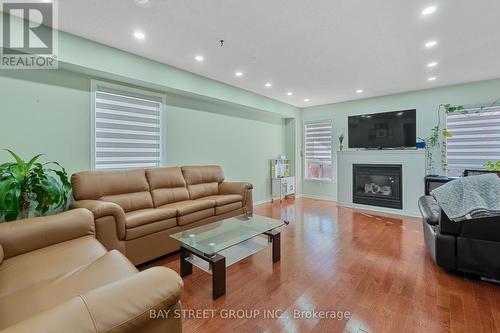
point(318, 141)
point(128, 130)
point(475, 140)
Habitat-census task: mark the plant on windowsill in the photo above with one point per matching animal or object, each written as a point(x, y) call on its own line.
point(23, 183)
point(493, 166)
point(341, 141)
point(438, 136)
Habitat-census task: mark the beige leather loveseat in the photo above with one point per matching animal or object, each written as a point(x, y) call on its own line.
point(137, 210)
point(56, 277)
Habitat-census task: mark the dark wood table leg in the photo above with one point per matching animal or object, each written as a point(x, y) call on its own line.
point(218, 264)
point(186, 267)
point(275, 239)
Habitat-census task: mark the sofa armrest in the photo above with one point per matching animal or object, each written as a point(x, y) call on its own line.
point(128, 305)
point(27, 235)
point(242, 188)
point(429, 209)
point(103, 209)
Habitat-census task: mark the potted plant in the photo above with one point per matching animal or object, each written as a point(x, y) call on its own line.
point(23, 183)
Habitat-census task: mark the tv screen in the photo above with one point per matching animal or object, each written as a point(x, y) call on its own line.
point(383, 130)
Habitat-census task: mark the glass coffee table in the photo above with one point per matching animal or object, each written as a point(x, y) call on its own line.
point(215, 246)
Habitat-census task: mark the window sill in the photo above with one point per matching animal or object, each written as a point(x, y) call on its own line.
point(319, 181)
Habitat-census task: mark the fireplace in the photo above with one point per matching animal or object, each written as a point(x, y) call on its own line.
point(377, 185)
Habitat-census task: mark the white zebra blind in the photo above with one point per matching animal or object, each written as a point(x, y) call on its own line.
point(475, 140)
point(127, 129)
point(318, 150)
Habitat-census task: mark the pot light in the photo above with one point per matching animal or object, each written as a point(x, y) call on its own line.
point(432, 64)
point(199, 58)
point(429, 10)
point(143, 3)
point(289, 93)
point(139, 35)
point(431, 43)
point(432, 78)
point(268, 85)
point(306, 99)
point(359, 91)
point(238, 73)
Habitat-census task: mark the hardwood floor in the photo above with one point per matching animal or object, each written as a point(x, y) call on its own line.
point(340, 259)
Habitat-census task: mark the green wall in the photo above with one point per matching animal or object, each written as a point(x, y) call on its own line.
point(48, 111)
point(425, 101)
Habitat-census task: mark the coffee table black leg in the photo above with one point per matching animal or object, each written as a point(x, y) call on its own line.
point(218, 264)
point(275, 239)
point(186, 267)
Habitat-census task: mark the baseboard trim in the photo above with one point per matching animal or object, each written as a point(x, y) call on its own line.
point(318, 197)
point(379, 209)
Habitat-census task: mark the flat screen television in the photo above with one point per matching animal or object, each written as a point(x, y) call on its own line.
point(383, 130)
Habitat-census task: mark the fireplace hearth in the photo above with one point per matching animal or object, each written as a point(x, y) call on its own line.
point(377, 185)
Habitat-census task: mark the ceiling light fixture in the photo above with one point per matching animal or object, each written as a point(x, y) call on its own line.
point(359, 91)
point(139, 35)
point(432, 78)
point(268, 85)
point(430, 43)
point(429, 10)
point(306, 100)
point(143, 3)
point(238, 73)
point(289, 93)
point(432, 64)
point(199, 58)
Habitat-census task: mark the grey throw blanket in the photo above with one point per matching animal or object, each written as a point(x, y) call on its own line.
point(470, 197)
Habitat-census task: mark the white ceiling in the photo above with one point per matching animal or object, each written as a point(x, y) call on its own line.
point(323, 50)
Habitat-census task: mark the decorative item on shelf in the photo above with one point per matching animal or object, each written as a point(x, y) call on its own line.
point(23, 183)
point(420, 145)
point(282, 184)
point(341, 141)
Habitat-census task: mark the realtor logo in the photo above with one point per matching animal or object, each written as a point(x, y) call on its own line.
point(28, 34)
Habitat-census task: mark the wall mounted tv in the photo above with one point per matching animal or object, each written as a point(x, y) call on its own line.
point(391, 130)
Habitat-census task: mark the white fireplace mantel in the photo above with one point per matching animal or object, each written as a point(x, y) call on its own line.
point(413, 173)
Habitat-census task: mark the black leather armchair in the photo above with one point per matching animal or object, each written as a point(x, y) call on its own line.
point(471, 246)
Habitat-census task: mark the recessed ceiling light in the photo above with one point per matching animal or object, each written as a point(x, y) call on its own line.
point(199, 58)
point(289, 93)
point(431, 43)
point(359, 91)
point(429, 10)
point(432, 78)
point(238, 73)
point(306, 100)
point(268, 85)
point(143, 3)
point(139, 35)
point(432, 64)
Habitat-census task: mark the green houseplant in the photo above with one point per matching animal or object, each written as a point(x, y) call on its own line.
point(23, 183)
point(493, 166)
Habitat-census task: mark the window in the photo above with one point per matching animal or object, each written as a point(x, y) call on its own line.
point(127, 129)
point(318, 150)
point(475, 140)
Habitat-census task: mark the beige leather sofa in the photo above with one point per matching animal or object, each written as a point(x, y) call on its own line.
point(56, 277)
point(136, 211)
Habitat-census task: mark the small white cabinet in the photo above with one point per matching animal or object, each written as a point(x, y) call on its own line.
point(282, 187)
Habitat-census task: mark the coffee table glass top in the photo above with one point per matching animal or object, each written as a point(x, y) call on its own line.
point(217, 236)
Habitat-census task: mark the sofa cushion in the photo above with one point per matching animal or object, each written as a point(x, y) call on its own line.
point(93, 185)
point(202, 181)
point(27, 269)
point(110, 267)
point(150, 215)
point(131, 201)
point(150, 228)
point(224, 199)
point(190, 206)
point(228, 208)
point(196, 216)
point(167, 185)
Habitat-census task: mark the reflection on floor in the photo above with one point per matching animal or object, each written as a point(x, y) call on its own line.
point(340, 260)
